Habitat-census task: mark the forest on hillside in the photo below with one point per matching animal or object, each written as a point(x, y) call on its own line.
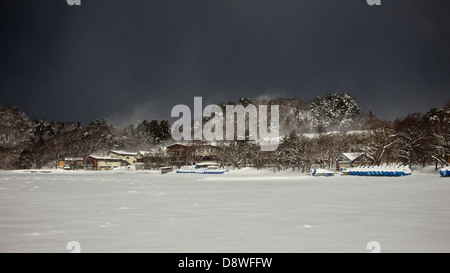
point(312, 133)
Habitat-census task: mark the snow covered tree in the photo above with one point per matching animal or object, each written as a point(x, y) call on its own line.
point(156, 159)
point(26, 160)
point(438, 120)
point(234, 153)
point(9, 157)
point(290, 150)
point(164, 130)
point(336, 110)
point(223, 105)
point(257, 157)
point(379, 139)
point(153, 132)
point(14, 127)
point(297, 151)
point(98, 123)
point(338, 143)
point(294, 114)
point(413, 139)
point(319, 112)
point(328, 149)
point(246, 101)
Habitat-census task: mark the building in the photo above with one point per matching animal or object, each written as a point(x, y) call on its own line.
point(189, 153)
point(349, 160)
point(103, 163)
point(140, 159)
point(142, 154)
point(130, 157)
point(205, 152)
point(179, 154)
point(154, 158)
point(71, 163)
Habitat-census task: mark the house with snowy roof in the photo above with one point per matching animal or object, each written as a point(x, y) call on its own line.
point(103, 163)
point(71, 163)
point(152, 158)
point(140, 159)
point(349, 160)
point(206, 152)
point(178, 152)
point(197, 151)
point(130, 157)
point(136, 159)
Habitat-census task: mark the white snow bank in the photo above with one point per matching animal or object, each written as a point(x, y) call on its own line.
point(202, 170)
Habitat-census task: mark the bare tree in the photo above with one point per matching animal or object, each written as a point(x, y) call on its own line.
point(438, 121)
point(296, 152)
point(413, 139)
point(379, 141)
point(234, 153)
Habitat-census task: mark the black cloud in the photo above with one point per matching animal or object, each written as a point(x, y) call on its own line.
point(137, 59)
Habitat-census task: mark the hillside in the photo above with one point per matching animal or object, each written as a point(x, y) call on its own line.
point(27, 143)
point(415, 139)
point(15, 126)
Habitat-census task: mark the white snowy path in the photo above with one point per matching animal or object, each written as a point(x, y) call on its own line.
point(243, 211)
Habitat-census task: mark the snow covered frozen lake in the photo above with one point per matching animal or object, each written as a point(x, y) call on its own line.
point(242, 211)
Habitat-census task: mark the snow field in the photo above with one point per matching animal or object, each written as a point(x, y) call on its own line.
point(240, 211)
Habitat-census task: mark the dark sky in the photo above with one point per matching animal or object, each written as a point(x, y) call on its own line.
point(135, 59)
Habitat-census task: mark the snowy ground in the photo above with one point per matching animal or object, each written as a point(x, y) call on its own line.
point(243, 211)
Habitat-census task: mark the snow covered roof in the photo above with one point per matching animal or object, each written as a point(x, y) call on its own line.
point(120, 152)
point(206, 145)
point(145, 152)
point(191, 144)
point(207, 163)
point(316, 135)
point(99, 157)
point(352, 156)
point(174, 144)
point(73, 159)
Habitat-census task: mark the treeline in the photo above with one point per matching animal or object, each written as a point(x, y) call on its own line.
point(28, 144)
point(334, 112)
point(315, 133)
point(416, 139)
